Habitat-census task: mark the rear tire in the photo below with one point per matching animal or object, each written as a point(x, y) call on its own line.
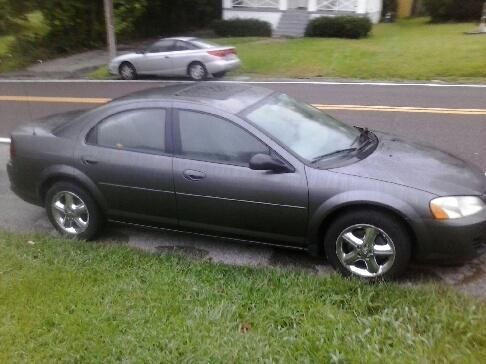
point(127, 71)
point(73, 212)
point(368, 244)
point(197, 71)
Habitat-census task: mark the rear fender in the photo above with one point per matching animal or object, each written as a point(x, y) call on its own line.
point(67, 173)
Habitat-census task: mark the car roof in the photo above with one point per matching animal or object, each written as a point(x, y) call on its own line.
point(185, 39)
point(232, 98)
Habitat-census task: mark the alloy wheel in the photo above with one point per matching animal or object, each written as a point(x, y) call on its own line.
point(197, 72)
point(70, 212)
point(365, 250)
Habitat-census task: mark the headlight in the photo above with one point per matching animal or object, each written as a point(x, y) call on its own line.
point(454, 207)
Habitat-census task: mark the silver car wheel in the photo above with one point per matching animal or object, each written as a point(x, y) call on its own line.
point(197, 71)
point(70, 212)
point(365, 250)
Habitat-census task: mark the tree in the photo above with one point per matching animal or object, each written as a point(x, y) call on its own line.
point(11, 12)
point(457, 10)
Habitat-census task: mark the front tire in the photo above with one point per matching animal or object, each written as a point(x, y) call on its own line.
point(368, 244)
point(127, 71)
point(73, 212)
point(197, 71)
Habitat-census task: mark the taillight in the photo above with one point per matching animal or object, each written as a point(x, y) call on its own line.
point(12, 149)
point(222, 53)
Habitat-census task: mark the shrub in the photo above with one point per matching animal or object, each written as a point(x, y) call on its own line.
point(339, 27)
point(242, 28)
point(457, 10)
point(22, 51)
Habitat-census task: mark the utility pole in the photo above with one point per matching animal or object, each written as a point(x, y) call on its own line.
point(110, 28)
point(482, 24)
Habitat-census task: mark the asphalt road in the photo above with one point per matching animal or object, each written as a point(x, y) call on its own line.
point(463, 135)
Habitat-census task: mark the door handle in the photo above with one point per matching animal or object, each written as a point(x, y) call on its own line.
point(88, 161)
point(192, 175)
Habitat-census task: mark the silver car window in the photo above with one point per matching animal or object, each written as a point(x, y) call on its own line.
point(203, 44)
point(184, 46)
point(166, 45)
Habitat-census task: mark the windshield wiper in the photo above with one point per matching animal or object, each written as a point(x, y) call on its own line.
point(336, 152)
point(363, 138)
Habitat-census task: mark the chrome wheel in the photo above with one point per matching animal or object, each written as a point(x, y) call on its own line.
point(70, 212)
point(197, 71)
point(365, 250)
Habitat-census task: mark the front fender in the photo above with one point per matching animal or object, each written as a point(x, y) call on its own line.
point(355, 198)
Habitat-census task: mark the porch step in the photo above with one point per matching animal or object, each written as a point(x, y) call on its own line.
point(292, 24)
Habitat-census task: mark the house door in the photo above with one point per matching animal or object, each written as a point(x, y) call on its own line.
point(297, 4)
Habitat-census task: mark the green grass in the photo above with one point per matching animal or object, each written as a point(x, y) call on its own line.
point(406, 50)
point(93, 302)
point(100, 73)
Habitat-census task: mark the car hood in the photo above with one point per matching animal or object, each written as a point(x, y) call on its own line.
point(397, 160)
point(126, 57)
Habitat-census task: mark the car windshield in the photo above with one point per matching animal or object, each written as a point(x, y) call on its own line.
point(202, 44)
point(306, 131)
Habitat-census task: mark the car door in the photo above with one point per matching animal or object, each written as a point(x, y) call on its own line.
point(184, 53)
point(126, 155)
point(157, 58)
point(216, 190)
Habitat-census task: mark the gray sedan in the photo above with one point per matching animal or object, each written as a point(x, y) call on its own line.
point(250, 164)
point(181, 56)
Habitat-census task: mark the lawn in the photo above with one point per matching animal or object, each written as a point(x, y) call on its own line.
point(31, 26)
point(93, 302)
point(406, 50)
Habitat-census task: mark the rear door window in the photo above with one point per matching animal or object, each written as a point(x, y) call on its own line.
point(184, 46)
point(138, 130)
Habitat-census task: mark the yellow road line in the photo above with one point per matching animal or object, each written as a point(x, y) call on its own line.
point(408, 109)
point(373, 108)
point(71, 100)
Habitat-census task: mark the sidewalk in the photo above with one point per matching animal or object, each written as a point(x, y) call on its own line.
point(75, 66)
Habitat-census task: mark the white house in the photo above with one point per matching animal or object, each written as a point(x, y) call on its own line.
point(290, 17)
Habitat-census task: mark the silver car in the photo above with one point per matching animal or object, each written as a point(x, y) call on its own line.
point(183, 56)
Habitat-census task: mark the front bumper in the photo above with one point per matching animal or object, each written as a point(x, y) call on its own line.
point(452, 241)
point(113, 68)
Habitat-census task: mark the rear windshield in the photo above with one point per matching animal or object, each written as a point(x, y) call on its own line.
point(203, 43)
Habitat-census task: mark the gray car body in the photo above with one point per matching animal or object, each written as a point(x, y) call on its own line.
point(292, 209)
point(175, 63)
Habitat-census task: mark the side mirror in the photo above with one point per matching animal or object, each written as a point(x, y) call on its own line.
point(264, 162)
